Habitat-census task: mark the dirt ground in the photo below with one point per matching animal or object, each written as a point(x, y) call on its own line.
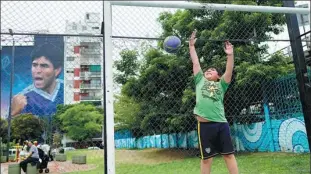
point(152, 156)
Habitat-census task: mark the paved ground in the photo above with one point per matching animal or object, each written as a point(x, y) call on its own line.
point(56, 167)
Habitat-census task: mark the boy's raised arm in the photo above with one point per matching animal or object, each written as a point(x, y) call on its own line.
point(230, 62)
point(193, 54)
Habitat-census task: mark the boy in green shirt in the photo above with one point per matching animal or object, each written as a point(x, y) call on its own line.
point(213, 128)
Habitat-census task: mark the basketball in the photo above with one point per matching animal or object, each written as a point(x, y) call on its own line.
point(171, 44)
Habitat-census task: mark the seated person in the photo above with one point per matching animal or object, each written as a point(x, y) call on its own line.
point(32, 157)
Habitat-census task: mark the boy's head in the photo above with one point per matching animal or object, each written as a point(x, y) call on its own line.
point(213, 74)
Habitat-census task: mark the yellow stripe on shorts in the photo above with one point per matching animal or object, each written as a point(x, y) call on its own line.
point(200, 144)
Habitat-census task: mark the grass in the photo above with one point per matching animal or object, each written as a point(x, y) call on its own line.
point(159, 161)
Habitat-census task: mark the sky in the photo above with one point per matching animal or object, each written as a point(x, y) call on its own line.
point(33, 16)
point(275, 46)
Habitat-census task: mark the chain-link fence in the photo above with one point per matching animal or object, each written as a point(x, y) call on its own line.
point(156, 130)
point(56, 52)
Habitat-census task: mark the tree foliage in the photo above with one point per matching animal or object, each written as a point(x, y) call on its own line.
point(81, 121)
point(126, 110)
point(3, 129)
point(56, 122)
point(127, 66)
point(164, 88)
point(27, 127)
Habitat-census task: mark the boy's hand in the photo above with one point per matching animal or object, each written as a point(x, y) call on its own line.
point(228, 48)
point(230, 62)
point(192, 38)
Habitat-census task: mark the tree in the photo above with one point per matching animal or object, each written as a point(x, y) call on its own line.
point(3, 129)
point(56, 122)
point(82, 121)
point(164, 87)
point(126, 110)
point(27, 127)
point(127, 66)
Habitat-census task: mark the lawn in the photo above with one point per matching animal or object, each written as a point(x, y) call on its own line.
point(155, 161)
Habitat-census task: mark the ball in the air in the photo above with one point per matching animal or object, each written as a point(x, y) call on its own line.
point(171, 44)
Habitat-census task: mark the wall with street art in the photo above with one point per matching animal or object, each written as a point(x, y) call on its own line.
point(288, 135)
point(37, 81)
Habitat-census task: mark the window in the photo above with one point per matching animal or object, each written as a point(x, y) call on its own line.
point(70, 58)
point(95, 68)
point(85, 81)
point(84, 68)
point(95, 81)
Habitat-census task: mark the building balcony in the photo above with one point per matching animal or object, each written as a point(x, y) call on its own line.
point(90, 61)
point(90, 86)
point(91, 53)
point(91, 40)
point(88, 74)
point(90, 98)
point(89, 48)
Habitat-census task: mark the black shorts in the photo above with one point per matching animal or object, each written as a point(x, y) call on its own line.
point(214, 138)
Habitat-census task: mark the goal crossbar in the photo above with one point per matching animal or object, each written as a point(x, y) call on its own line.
point(212, 6)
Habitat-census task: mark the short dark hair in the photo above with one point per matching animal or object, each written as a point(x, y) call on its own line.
point(51, 52)
point(219, 71)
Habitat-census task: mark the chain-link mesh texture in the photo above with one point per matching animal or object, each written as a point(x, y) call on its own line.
point(156, 131)
point(59, 79)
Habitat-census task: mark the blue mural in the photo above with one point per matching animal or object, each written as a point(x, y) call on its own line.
point(288, 135)
point(174, 140)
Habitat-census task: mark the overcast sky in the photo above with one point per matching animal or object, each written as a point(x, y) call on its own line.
point(33, 16)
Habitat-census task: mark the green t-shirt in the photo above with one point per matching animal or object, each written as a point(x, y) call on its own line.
point(209, 98)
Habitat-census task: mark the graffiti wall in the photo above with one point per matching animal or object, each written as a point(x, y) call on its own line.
point(288, 135)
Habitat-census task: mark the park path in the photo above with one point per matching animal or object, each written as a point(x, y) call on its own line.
point(56, 167)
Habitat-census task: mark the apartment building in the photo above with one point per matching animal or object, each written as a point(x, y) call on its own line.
point(83, 61)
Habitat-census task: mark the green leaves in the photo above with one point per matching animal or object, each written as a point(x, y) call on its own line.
point(3, 129)
point(27, 127)
point(274, 68)
point(81, 121)
point(126, 111)
point(127, 66)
